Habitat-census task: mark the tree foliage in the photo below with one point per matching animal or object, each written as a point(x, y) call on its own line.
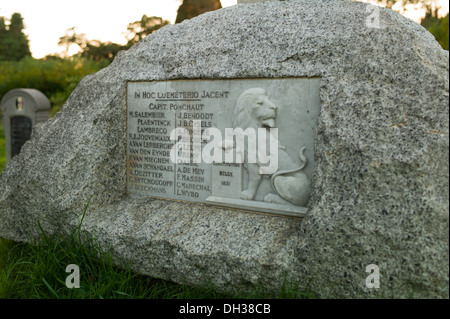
point(192, 8)
point(13, 42)
point(99, 51)
point(91, 49)
point(138, 30)
point(390, 3)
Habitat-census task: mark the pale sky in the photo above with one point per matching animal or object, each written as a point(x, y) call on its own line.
point(47, 20)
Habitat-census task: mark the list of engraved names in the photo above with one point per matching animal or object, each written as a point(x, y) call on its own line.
point(154, 112)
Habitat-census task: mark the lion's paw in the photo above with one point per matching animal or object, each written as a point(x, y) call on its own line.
point(247, 195)
point(275, 199)
point(271, 198)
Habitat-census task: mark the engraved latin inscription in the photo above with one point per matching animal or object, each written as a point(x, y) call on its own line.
point(239, 143)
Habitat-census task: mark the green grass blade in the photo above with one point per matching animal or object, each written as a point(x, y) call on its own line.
point(50, 288)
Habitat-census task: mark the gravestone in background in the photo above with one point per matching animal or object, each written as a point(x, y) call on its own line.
point(22, 109)
point(376, 139)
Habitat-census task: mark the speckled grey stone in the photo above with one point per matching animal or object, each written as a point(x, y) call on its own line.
point(254, 1)
point(380, 192)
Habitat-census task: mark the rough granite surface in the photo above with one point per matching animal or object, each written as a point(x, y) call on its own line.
point(381, 181)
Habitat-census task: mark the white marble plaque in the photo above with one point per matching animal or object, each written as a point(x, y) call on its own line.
point(194, 119)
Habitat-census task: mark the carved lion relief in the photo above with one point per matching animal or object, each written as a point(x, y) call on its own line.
point(290, 185)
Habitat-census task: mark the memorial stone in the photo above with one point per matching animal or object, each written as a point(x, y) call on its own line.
point(360, 194)
point(22, 110)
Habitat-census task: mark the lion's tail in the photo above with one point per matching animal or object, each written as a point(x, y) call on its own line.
point(304, 162)
point(302, 157)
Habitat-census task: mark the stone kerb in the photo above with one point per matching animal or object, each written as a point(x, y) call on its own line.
point(380, 181)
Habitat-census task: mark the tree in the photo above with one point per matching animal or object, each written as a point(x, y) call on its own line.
point(2, 25)
point(390, 3)
point(138, 30)
point(13, 42)
point(3, 37)
point(99, 51)
point(72, 37)
point(92, 49)
point(192, 8)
